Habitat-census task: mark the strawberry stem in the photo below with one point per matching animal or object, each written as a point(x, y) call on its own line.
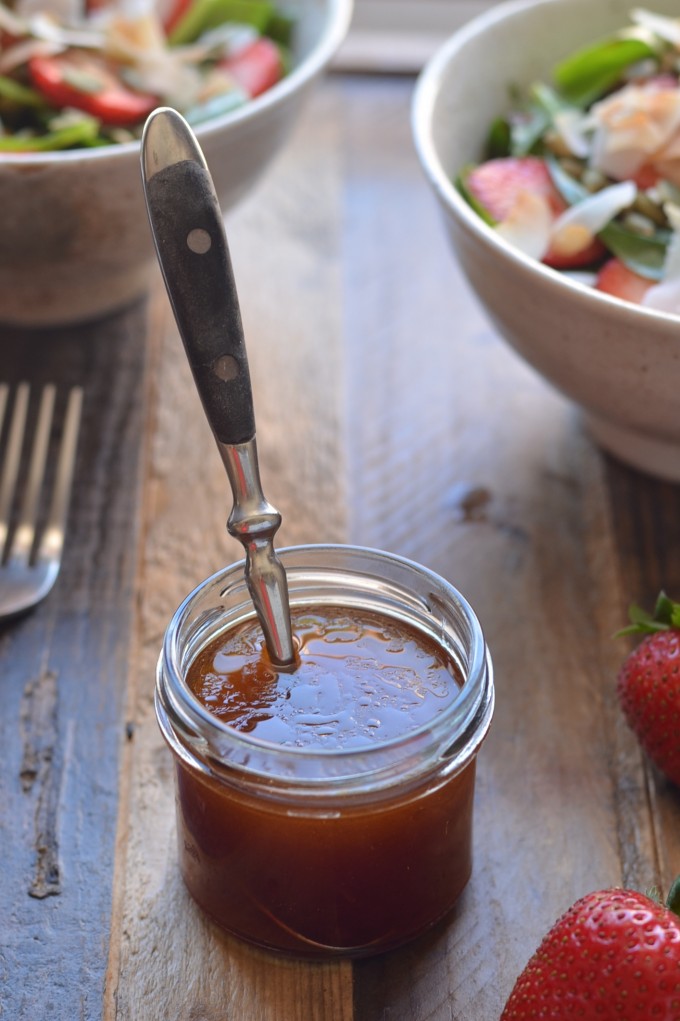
point(666, 616)
point(673, 899)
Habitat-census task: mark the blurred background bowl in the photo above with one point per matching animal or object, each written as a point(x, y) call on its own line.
point(620, 362)
point(75, 241)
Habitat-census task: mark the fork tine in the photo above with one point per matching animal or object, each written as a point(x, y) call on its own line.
point(53, 536)
point(12, 458)
point(24, 536)
point(4, 393)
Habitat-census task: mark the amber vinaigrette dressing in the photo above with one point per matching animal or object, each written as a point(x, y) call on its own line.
point(321, 831)
point(359, 678)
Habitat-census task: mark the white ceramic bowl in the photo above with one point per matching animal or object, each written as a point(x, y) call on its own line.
point(75, 241)
point(619, 361)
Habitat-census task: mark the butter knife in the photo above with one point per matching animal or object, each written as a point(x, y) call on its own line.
point(191, 245)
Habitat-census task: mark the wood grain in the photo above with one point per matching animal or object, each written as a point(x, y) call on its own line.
point(171, 962)
point(472, 465)
point(63, 675)
point(389, 414)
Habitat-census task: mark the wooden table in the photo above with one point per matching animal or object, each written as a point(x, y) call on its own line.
point(390, 414)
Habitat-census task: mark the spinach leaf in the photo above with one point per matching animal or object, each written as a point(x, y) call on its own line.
point(461, 184)
point(499, 138)
point(528, 127)
point(571, 190)
point(589, 72)
point(644, 255)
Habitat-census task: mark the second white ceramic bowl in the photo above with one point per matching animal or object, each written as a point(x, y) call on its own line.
point(620, 362)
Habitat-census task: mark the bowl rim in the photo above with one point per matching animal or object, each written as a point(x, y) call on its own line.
point(425, 94)
point(338, 16)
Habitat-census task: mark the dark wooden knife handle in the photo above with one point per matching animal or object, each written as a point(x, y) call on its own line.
point(194, 258)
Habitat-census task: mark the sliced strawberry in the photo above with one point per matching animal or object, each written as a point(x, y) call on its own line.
point(257, 67)
point(617, 279)
point(646, 176)
point(593, 251)
point(105, 96)
point(174, 14)
point(496, 185)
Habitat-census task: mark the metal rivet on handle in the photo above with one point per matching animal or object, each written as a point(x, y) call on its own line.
point(225, 368)
point(199, 241)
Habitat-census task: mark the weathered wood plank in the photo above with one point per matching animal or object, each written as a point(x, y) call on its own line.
point(470, 463)
point(390, 414)
point(170, 962)
point(63, 676)
point(646, 521)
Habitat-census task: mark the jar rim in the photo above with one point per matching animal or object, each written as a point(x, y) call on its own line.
point(192, 729)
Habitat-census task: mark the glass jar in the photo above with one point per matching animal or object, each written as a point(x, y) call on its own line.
point(320, 852)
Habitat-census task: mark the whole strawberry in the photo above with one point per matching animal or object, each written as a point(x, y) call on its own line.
point(649, 684)
point(614, 956)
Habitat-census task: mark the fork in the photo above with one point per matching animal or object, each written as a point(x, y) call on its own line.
point(31, 545)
